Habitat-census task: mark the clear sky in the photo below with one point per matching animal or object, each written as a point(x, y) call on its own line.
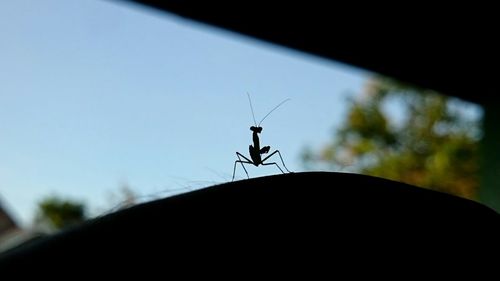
point(94, 94)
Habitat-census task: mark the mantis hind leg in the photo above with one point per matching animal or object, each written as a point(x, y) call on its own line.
point(283, 162)
point(274, 163)
point(247, 161)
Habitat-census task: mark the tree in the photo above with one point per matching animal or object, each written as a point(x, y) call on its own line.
point(433, 144)
point(57, 213)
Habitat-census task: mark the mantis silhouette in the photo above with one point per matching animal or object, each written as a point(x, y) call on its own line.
point(255, 150)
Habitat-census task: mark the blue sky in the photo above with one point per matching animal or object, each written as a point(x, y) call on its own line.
point(95, 94)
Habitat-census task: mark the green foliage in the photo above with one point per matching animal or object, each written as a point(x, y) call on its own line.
point(59, 213)
point(434, 144)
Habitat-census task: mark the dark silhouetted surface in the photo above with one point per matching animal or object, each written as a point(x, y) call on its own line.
point(455, 53)
point(306, 218)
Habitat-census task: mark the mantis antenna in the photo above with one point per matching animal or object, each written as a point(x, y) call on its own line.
point(272, 110)
point(251, 107)
point(255, 150)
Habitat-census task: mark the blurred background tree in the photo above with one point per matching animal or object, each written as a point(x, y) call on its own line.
point(433, 143)
point(55, 213)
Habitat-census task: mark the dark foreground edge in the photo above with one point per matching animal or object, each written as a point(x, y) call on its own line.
point(294, 217)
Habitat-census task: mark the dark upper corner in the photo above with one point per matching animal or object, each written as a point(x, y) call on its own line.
point(441, 49)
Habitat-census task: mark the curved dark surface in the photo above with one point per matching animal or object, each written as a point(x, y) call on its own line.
point(293, 217)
